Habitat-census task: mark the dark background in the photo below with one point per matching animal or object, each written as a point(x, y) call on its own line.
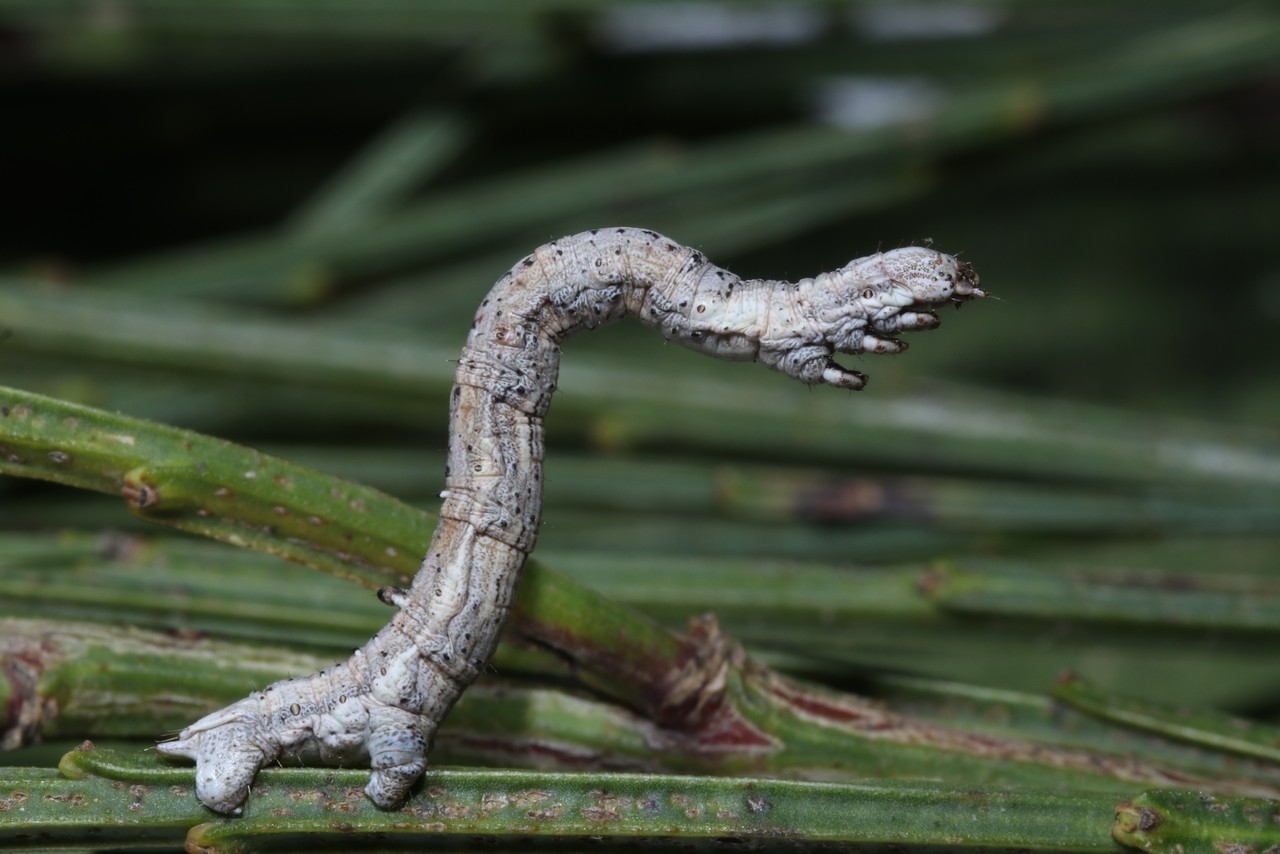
point(1111, 171)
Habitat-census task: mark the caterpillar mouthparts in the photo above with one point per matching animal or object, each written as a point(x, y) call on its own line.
point(966, 287)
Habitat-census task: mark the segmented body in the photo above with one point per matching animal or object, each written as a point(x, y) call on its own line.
point(385, 702)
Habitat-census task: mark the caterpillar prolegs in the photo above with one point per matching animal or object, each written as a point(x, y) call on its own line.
point(384, 703)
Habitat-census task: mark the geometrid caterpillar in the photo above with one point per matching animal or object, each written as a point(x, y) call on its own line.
point(383, 704)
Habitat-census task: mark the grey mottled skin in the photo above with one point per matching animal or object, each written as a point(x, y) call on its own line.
point(383, 704)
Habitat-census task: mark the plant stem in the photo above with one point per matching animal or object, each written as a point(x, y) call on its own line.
point(1235, 604)
point(1203, 727)
point(381, 177)
point(1184, 822)
point(309, 808)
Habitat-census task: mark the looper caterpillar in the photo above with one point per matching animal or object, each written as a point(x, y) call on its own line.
point(385, 702)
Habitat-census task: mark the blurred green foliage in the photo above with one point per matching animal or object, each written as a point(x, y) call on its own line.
point(1109, 168)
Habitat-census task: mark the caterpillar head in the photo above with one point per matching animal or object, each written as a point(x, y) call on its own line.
point(893, 292)
point(929, 277)
point(885, 289)
point(863, 305)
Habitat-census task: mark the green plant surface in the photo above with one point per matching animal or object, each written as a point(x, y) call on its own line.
point(267, 605)
point(69, 679)
point(1184, 822)
point(1203, 727)
point(271, 222)
point(247, 498)
point(305, 809)
point(756, 719)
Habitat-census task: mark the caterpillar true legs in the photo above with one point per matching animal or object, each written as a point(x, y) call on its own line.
point(383, 704)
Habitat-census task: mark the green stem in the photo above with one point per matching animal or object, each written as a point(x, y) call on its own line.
point(1039, 717)
point(1204, 727)
point(383, 175)
point(309, 808)
point(1187, 822)
point(63, 678)
point(1236, 604)
point(214, 488)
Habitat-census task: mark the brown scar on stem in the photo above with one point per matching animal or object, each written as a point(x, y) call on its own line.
point(693, 697)
point(869, 718)
point(138, 491)
point(25, 712)
point(856, 499)
point(1131, 819)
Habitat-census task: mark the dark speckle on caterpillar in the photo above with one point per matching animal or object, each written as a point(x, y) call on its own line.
point(383, 704)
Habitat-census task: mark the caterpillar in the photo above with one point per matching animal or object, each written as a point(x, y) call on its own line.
point(383, 705)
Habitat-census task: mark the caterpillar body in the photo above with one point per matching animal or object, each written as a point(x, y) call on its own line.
point(384, 703)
